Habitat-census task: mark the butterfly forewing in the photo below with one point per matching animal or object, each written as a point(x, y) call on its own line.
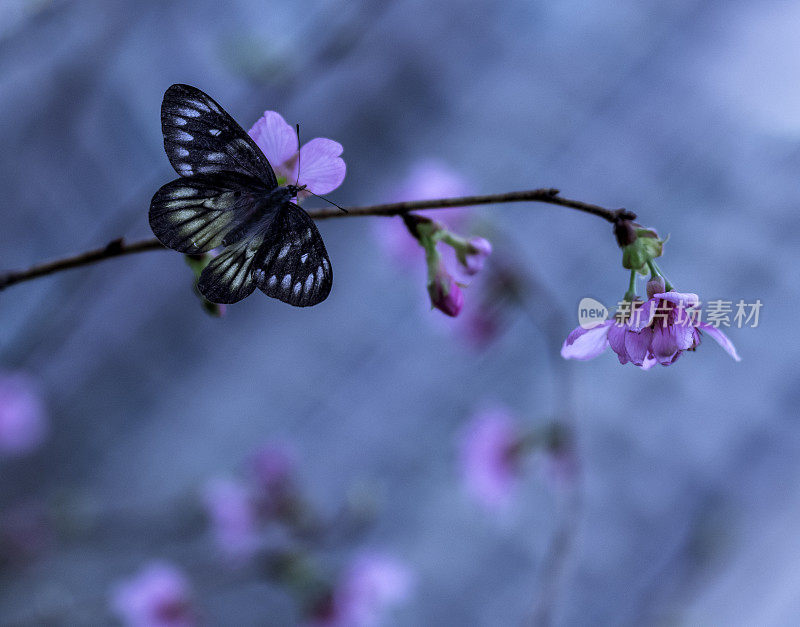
point(196, 214)
point(201, 138)
point(292, 264)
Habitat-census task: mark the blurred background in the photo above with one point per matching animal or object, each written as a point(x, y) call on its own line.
point(340, 465)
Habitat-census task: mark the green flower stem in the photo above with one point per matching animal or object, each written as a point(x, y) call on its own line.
point(656, 271)
point(630, 295)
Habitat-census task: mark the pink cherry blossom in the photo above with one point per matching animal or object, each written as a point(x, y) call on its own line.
point(158, 596)
point(234, 519)
point(368, 587)
point(657, 331)
point(490, 463)
point(273, 471)
point(321, 168)
point(23, 423)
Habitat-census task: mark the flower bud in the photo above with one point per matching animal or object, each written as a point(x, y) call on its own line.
point(445, 294)
point(644, 248)
point(477, 250)
point(655, 285)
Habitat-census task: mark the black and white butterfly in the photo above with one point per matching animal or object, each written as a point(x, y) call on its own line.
point(228, 195)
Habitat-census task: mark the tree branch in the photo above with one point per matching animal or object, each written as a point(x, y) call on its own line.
point(118, 247)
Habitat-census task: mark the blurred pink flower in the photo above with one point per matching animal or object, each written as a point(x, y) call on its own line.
point(321, 168)
point(23, 424)
point(561, 463)
point(158, 596)
point(481, 323)
point(233, 518)
point(489, 455)
point(273, 468)
point(427, 179)
point(365, 591)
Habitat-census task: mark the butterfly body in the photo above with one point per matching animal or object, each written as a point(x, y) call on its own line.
point(228, 196)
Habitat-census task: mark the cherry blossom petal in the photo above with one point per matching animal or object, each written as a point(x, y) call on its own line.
point(616, 339)
point(638, 345)
point(584, 344)
point(684, 334)
point(720, 339)
point(648, 362)
point(321, 168)
point(686, 300)
point(277, 140)
point(643, 315)
point(663, 345)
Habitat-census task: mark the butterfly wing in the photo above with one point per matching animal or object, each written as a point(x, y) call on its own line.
point(292, 264)
point(201, 138)
point(228, 278)
point(197, 213)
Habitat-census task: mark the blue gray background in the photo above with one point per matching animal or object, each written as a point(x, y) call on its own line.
point(687, 112)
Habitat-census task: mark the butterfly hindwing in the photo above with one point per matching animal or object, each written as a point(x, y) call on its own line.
point(228, 278)
point(201, 138)
point(292, 264)
point(195, 214)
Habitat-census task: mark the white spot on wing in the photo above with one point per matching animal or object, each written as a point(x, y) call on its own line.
point(284, 251)
point(182, 152)
point(214, 131)
point(259, 274)
point(296, 288)
point(189, 113)
point(269, 255)
point(325, 264)
point(286, 282)
point(273, 281)
point(183, 136)
point(304, 258)
point(199, 105)
point(308, 234)
point(320, 274)
point(215, 156)
point(179, 121)
point(309, 283)
point(184, 168)
point(183, 192)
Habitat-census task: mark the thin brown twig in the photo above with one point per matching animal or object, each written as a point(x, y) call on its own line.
point(118, 247)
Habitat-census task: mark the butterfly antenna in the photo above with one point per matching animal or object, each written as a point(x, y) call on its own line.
point(328, 201)
point(297, 180)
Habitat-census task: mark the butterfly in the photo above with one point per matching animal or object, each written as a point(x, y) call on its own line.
point(228, 196)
